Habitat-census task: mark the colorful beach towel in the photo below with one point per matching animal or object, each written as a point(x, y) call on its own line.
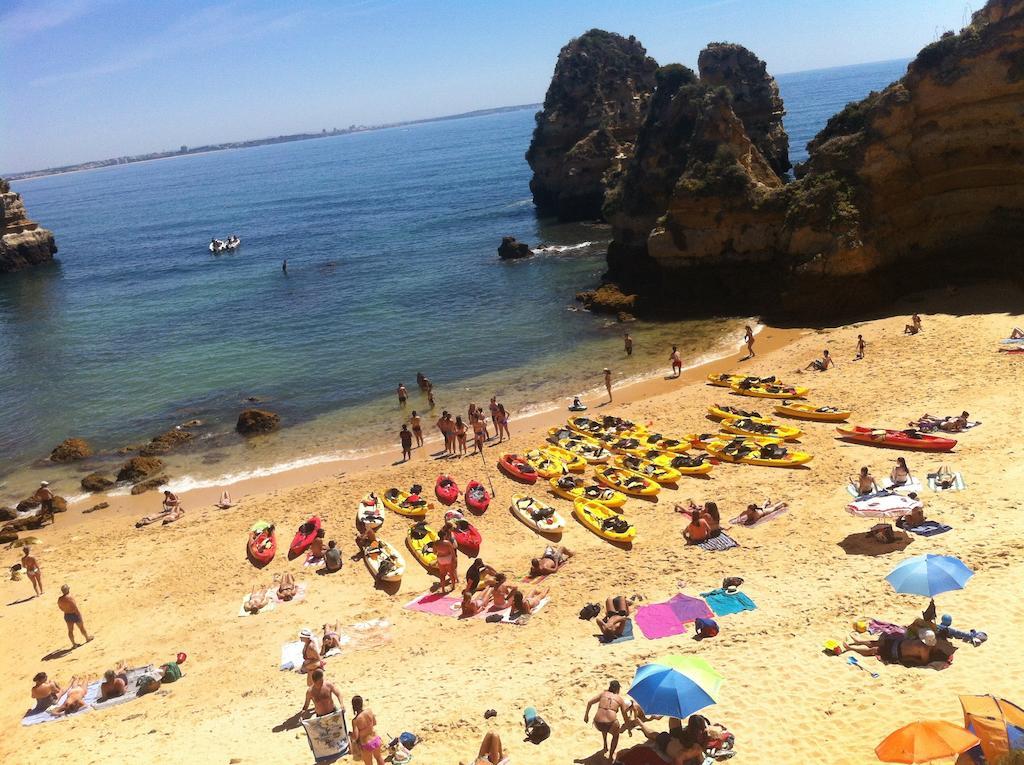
point(328, 735)
point(504, 615)
point(661, 620)
point(435, 603)
point(725, 603)
point(763, 519)
point(271, 604)
point(883, 505)
point(36, 716)
point(721, 541)
point(958, 483)
point(627, 635)
point(929, 529)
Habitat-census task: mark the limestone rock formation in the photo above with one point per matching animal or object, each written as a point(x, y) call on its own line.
point(512, 249)
point(96, 482)
point(139, 468)
point(165, 442)
point(149, 484)
point(8, 513)
point(22, 242)
point(586, 130)
point(71, 450)
point(255, 421)
point(919, 185)
point(755, 98)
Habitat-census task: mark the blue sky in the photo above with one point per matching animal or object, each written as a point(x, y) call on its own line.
point(90, 79)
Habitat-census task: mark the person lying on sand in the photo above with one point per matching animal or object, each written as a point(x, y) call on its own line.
point(257, 599)
point(616, 612)
point(609, 705)
point(46, 692)
point(287, 589)
point(473, 605)
point(491, 752)
point(172, 515)
point(955, 424)
point(331, 638)
point(115, 682)
point(681, 745)
point(148, 519)
point(896, 649)
point(75, 699)
point(864, 483)
point(820, 365)
point(527, 604)
point(554, 558)
point(754, 513)
point(945, 477)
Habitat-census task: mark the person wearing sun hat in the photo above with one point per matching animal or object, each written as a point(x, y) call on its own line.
point(310, 654)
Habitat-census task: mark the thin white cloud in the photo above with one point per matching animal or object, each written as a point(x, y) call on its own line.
point(215, 26)
point(35, 16)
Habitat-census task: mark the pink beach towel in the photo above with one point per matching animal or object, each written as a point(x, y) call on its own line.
point(660, 620)
point(435, 603)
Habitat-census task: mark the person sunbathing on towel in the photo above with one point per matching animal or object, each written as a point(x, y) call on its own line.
point(681, 745)
point(617, 610)
point(331, 638)
point(287, 589)
point(490, 752)
point(864, 483)
point(900, 474)
point(754, 513)
point(954, 424)
point(896, 649)
point(527, 604)
point(552, 560)
point(115, 682)
point(172, 515)
point(473, 605)
point(1017, 334)
point(46, 692)
point(75, 699)
point(945, 478)
point(257, 599)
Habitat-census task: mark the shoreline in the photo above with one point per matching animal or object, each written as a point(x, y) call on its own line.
point(768, 339)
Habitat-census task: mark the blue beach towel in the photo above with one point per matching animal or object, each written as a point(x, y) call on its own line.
point(724, 603)
point(627, 634)
point(720, 541)
point(929, 529)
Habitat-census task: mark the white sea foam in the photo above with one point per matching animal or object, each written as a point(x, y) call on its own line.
point(560, 248)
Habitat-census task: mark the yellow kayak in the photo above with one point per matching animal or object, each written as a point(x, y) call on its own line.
point(591, 451)
point(661, 473)
point(683, 463)
point(538, 516)
point(603, 522)
point(585, 425)
point(656, 441)
point(771, 390)
point(420, 541)
point(574, 463)
point(384, 554)
point(751, 454)
point(727, 380)
point(545, 465)
point(746, 427)
point(627, 482)
point(572, 488)
point(812, 412)
point(701, 440)
point(400, 502)
point(734, 413)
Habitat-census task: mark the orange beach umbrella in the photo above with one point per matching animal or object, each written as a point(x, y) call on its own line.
point(925, 741)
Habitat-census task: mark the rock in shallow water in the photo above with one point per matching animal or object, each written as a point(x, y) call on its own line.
point(256, 421)
point(512, 249)
point(71, 450)
point(96, 482)
point(138, 468)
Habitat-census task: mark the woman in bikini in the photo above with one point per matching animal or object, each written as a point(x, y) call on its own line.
point(460, 434)
point(501, 592)
point(491, 752)
point(364, 733)
point(311, 658)
point(616, 612)
point(754, 513)
point(748, 338)
point(864, 483)
point(75, 698)
point(609, 705)
point(287, 588)
point(472, 605)
point(331, 639)
point(527, 604)
point(503, 423)
point(698, 529)
point(900, 475)
point(257, 599)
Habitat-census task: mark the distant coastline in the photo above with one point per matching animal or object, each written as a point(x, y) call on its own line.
point(186, 151)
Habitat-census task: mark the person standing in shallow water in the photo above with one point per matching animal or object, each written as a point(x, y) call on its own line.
point(403, 394)
point(608, 382)
point(284, 266)
point(677, 361)
point(627, 341)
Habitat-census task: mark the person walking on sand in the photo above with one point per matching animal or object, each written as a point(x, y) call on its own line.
point(321, 695)
point(609, 705)
point(364, 733)
point(403, 394)
point(860, 348)
point(608, 382)
point(627, 341)
point(406, 438)
point(31, 566)
point(44, 496)
point(417, 427)
point(72, 615)
point(748, 338)
point(677, 361)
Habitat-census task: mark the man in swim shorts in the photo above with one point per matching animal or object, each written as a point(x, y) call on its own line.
point(31, 566)
point(609, 705)
point(364, 733)
point(321, 695)
point(677, 361)
point(72, 615)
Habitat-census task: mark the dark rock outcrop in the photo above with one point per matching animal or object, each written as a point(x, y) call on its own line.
point(97, 482)
point(71, 450)
point(166, 442)
point(139, 468)
point(512, 249)
point(94, 508)
point(586, 130)
point(919, 185)
point(253, 422)
point(8, 513)
point(28, 505)
point(755, 98)
point(22, 242)
point(608, 298)
point(149, 484)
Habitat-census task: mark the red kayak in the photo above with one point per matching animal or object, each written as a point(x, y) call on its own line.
point(304, 536)
point(446, 489)
point(516, 467)
point(477, 498)
point(262, 545)
point(467, 537)
point(896, 439)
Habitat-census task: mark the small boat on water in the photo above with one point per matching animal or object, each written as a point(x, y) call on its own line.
point(225, 245)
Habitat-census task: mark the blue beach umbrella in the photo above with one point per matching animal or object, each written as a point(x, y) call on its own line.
point(676, 686)
point(929, 575)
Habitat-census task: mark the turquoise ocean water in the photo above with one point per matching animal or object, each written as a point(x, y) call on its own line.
point(390, 238)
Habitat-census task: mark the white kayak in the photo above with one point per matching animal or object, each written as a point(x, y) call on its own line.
point(384, 554)
point(224, 245)
point(370, 511)
point(540, 517)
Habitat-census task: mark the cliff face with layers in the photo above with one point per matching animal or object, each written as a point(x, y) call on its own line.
point(921, 184)
point(22, 242)
point(586, 130)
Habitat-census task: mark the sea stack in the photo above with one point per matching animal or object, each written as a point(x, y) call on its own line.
point(22, 242)
point(585, 132)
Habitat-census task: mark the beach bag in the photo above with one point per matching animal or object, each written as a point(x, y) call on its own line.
point(536, 729)
point(589, 611)
point(705, 628)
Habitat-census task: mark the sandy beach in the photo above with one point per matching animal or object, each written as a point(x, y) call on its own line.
point(149, 593)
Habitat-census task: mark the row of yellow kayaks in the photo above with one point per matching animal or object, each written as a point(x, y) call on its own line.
point(804, 411)
point(760, 387)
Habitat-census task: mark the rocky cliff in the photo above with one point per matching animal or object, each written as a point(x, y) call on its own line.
point(921, 184)
point(22, 242)
point(586, 130)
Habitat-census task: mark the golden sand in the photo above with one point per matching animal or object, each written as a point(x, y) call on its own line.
point(149, 593)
